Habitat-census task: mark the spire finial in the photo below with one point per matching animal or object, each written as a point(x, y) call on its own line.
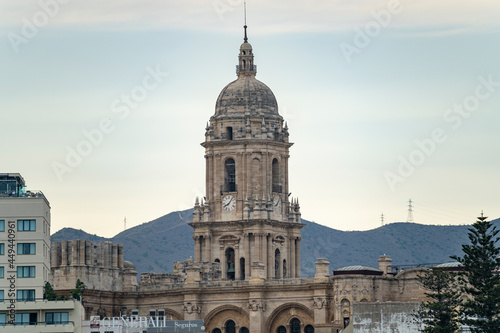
point(245, 26)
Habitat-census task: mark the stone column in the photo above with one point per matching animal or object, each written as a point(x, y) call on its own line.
point(223, 261)
point(297, 257)
point(280, 263)
point(64, 253)
point(248, 255)
point(258, 256)
point(256, 307)
point(74, 253)
point(106, 251)
point(197, 248)
point(115, 255)
point(208, 249)
point(81, 255)
point(120, 255)
point(292, 257)
point(237, 269)
point(269, 263)
point(320, 307)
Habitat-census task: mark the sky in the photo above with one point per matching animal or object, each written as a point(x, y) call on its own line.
point(104, 104)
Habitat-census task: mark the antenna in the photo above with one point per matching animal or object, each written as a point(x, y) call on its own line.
point(382, 218)
point(125, 223)
point(410, 211)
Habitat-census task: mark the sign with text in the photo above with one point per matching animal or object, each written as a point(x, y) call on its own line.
point(173, 326)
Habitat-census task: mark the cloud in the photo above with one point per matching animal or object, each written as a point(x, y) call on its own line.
point(277, 16)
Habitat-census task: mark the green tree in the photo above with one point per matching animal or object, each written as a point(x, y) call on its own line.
point(439, 314)
point(78, 291)
point(480, 279)
point(48, 292)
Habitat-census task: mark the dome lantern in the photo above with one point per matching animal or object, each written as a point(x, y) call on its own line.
point(246, 65)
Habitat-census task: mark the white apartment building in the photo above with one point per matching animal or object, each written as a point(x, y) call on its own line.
point(25, 263)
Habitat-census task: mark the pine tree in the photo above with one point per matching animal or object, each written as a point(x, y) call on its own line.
point(48, 292)
point(439, 314)
point(480, 280)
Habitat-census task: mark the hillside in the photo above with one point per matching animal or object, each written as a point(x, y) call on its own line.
point(154, 246)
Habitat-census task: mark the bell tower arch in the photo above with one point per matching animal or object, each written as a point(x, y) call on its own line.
point(247, 215)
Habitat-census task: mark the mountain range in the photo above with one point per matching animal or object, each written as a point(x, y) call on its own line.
point(155, 246)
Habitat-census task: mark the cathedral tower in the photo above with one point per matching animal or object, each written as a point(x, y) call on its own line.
point(246, 216)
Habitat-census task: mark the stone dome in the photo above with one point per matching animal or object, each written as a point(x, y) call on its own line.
point(246, 95)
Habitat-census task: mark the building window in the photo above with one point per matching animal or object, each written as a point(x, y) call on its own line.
point(25, 271)
point(309, 329)
point(2, 249)
point(230, 327)
point(135, 313)
point(3, 319)
point(26, 319)
point(244, 330)
point(277, 262)
point(53, 318)
point(152, 313)
point(284, 268)
point(230, 264)
point(26, 248)
point(161, 314)
point(229, 133)
point(230, 176)
point(242, 268)
point(276, 176)
point(295, 325)
point(2, 225)
point(281, 329)
point(1, 272)
point(26, 225)
point(217, 330)
point(26, 295)
point(2, 298)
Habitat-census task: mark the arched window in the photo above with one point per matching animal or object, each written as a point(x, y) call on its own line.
point(295, 325)
point(309, 329)
point(230, 327)
point(277, 261)
point(276, 176)
point(230, 264)
point(244, 65)
point(284, 268)
point(230, 176)
point(217, 330)
point(242, 268)
point(281, 329)
point(244, 330)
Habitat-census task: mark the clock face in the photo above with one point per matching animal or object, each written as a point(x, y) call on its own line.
point(276, 203)
point(228, 203)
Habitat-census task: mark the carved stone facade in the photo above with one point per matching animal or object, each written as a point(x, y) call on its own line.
point(245, 276)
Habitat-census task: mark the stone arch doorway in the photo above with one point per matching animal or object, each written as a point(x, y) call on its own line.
point(287, 316)
point(220, 317)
